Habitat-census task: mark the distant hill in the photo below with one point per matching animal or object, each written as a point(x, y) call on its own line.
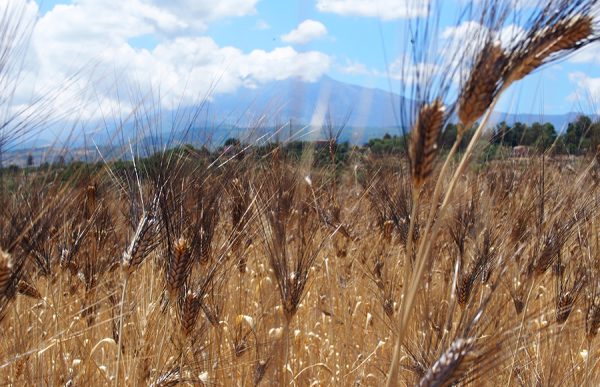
point(252, 112)
point(368, 112)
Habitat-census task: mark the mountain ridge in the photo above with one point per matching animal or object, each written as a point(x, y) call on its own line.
point(366, 112)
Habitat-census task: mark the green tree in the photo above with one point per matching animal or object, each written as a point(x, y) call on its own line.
point(232, 141)
point(577, 136)
point(540, 136)
point(448, 136)
point(500, 132)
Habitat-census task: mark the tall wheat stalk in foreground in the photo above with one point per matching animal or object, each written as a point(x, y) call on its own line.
point(547, 40)
point(143, 242)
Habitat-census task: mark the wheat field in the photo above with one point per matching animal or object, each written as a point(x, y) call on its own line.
point(273, 265)
point(271, 279)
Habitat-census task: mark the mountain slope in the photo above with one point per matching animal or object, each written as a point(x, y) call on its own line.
point(366, 113)
point(369, 111)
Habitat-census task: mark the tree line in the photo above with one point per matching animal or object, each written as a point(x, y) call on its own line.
point(580, 137)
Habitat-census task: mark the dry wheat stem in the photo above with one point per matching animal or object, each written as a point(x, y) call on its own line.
point(519, 335)
point(425, 250)
point(411, 226)
point(393, 373)
point(125, 282)
point(426, 246)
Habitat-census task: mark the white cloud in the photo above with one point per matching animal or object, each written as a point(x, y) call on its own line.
point(462, 31)
point(476, 34)
point(384, 9)
point(355, 68)
point(587, 90)
point(262, 25)
point(407, 71)
point(588, 54)
point(197, 13)
point(306, 31)
point(185, 66)
point(455, 54)
point(514, 4)
point(401, 69)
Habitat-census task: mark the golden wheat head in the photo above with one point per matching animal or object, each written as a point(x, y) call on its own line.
point(564, 35)
point(5, 271)
point(423, 146)
point(178, 267)
point(451, 367)
point(479, 91)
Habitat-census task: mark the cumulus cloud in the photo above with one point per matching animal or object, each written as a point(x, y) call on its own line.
point(589, 54)
point(402, 69)
point(409, 72)
point(92, 39)
point(355, 68)
point(195, 14)
point(384, 9)
point(587, 90)
point(306, 31)
point(454, 51)
point(470, 30)
point(515, 4)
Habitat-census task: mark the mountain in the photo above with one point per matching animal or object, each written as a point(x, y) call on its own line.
point(361, 109)
point(251, 112)
point(303, 101)
point(367, 112)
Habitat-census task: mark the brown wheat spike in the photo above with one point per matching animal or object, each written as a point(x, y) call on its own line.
point(464, 288)
point(143, 242)
point(423, 146)
point(566, 299)
point(27, 289)
point(90, 200)
point(564, 35)
point(259, 371)
point(179, 266)
point(564, 306)
point(592, 321)
point(388, 227)
point(482, 84)
point(189, 309)
point(5, 271)
point(168, 379)
point(450, 367)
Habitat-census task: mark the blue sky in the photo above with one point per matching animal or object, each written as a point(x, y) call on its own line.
point(179, 45)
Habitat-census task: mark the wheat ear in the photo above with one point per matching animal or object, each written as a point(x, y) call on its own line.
point(5, 271)
point(563, 35)
point(423, 148)
point(423, 143)
point(178, 266)
point(451, 367)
